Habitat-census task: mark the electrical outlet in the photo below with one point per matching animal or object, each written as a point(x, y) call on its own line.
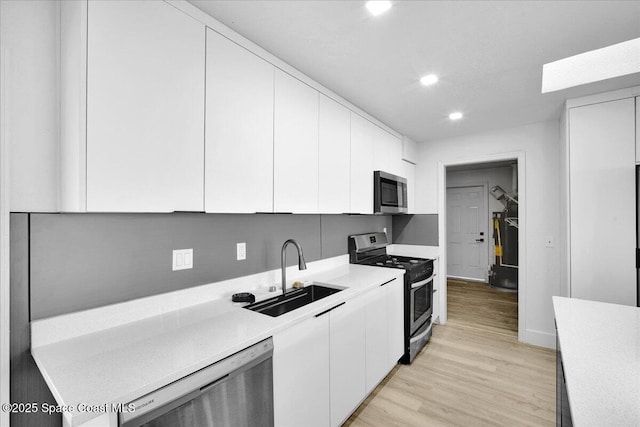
point(548, 242)
point(384, 230)
point(182, 259)
point(241, 251)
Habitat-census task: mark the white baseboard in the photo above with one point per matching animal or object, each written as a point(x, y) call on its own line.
point(539, 338)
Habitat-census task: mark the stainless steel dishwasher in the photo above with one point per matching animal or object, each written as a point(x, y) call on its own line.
point(236, 391)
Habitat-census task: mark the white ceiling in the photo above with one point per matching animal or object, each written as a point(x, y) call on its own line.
point(488, 54)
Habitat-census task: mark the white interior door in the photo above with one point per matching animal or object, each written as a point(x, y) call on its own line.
point(467, 224)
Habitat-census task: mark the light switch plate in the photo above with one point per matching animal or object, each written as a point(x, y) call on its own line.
point(182, 259)
point(241, 251)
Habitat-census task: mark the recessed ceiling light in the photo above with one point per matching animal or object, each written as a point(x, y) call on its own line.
point(455, 116)
point(378, 7)
point(429, 79)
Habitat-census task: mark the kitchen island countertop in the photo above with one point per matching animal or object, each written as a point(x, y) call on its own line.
point(600, 347)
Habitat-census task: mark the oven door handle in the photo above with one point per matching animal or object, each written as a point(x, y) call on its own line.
point(422, 282)
point(421, 335)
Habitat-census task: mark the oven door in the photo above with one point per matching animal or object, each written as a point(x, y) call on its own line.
point(421, 303)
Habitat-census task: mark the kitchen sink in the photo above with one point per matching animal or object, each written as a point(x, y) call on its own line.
point(292, 300)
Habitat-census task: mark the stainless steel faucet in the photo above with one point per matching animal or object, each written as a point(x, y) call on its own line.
point(283, 262)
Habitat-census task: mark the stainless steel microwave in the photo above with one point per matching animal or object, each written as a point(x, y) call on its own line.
point(389, 193)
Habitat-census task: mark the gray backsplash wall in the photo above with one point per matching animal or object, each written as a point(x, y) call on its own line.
point(81, 261)
point(62, 263)
point(419, 229)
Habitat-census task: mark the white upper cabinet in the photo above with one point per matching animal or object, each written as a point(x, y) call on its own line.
point(145, 108)
point(409, 172)
point(603, 201)
point(160, 114)
point(239, 129)
point(362, 133)
point(387, 152)
point(295, 177)
point(334, 156)
point(380, 141)
point(396, 164)
point(409, 150)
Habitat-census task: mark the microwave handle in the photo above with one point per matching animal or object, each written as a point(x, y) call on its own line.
point(422, 282)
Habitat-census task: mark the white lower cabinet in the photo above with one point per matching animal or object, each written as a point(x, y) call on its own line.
point(301, 374)
point(376, 337)
point(395, 322)
point(435, 316)
point(384, 331)
point(325, 366)
point(346, 356)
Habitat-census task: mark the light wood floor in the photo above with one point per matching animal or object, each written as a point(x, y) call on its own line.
point(473, 372)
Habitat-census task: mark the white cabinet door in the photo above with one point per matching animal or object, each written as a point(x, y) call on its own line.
point(361, 165)
point(409, 150)
point(396, 164)
point(347, 359)
point(638, 129)
point(395, 321)
point(380, 140)
point(387, 152)
point(377, 358)
point(145, 108)
point(436, 292)
point(409, 172)
point(300, 374)
point(602, 197)
point(335, 156)
point(295, 178)
point(239, 129)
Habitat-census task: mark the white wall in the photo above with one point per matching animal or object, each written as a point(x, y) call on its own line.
point(29, 41)
point(502, 176)
point(540, 143)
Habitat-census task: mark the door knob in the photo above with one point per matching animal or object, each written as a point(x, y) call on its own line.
point(479, 240)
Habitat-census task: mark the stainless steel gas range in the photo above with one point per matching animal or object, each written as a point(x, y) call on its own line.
point(371, 249)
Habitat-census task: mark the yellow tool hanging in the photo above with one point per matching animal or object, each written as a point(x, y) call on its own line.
point(498, 246)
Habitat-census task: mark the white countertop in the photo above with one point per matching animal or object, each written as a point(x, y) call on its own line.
point(123, 363)
point(600, 347)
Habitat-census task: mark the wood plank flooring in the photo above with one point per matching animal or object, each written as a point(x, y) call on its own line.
point(473, 372)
